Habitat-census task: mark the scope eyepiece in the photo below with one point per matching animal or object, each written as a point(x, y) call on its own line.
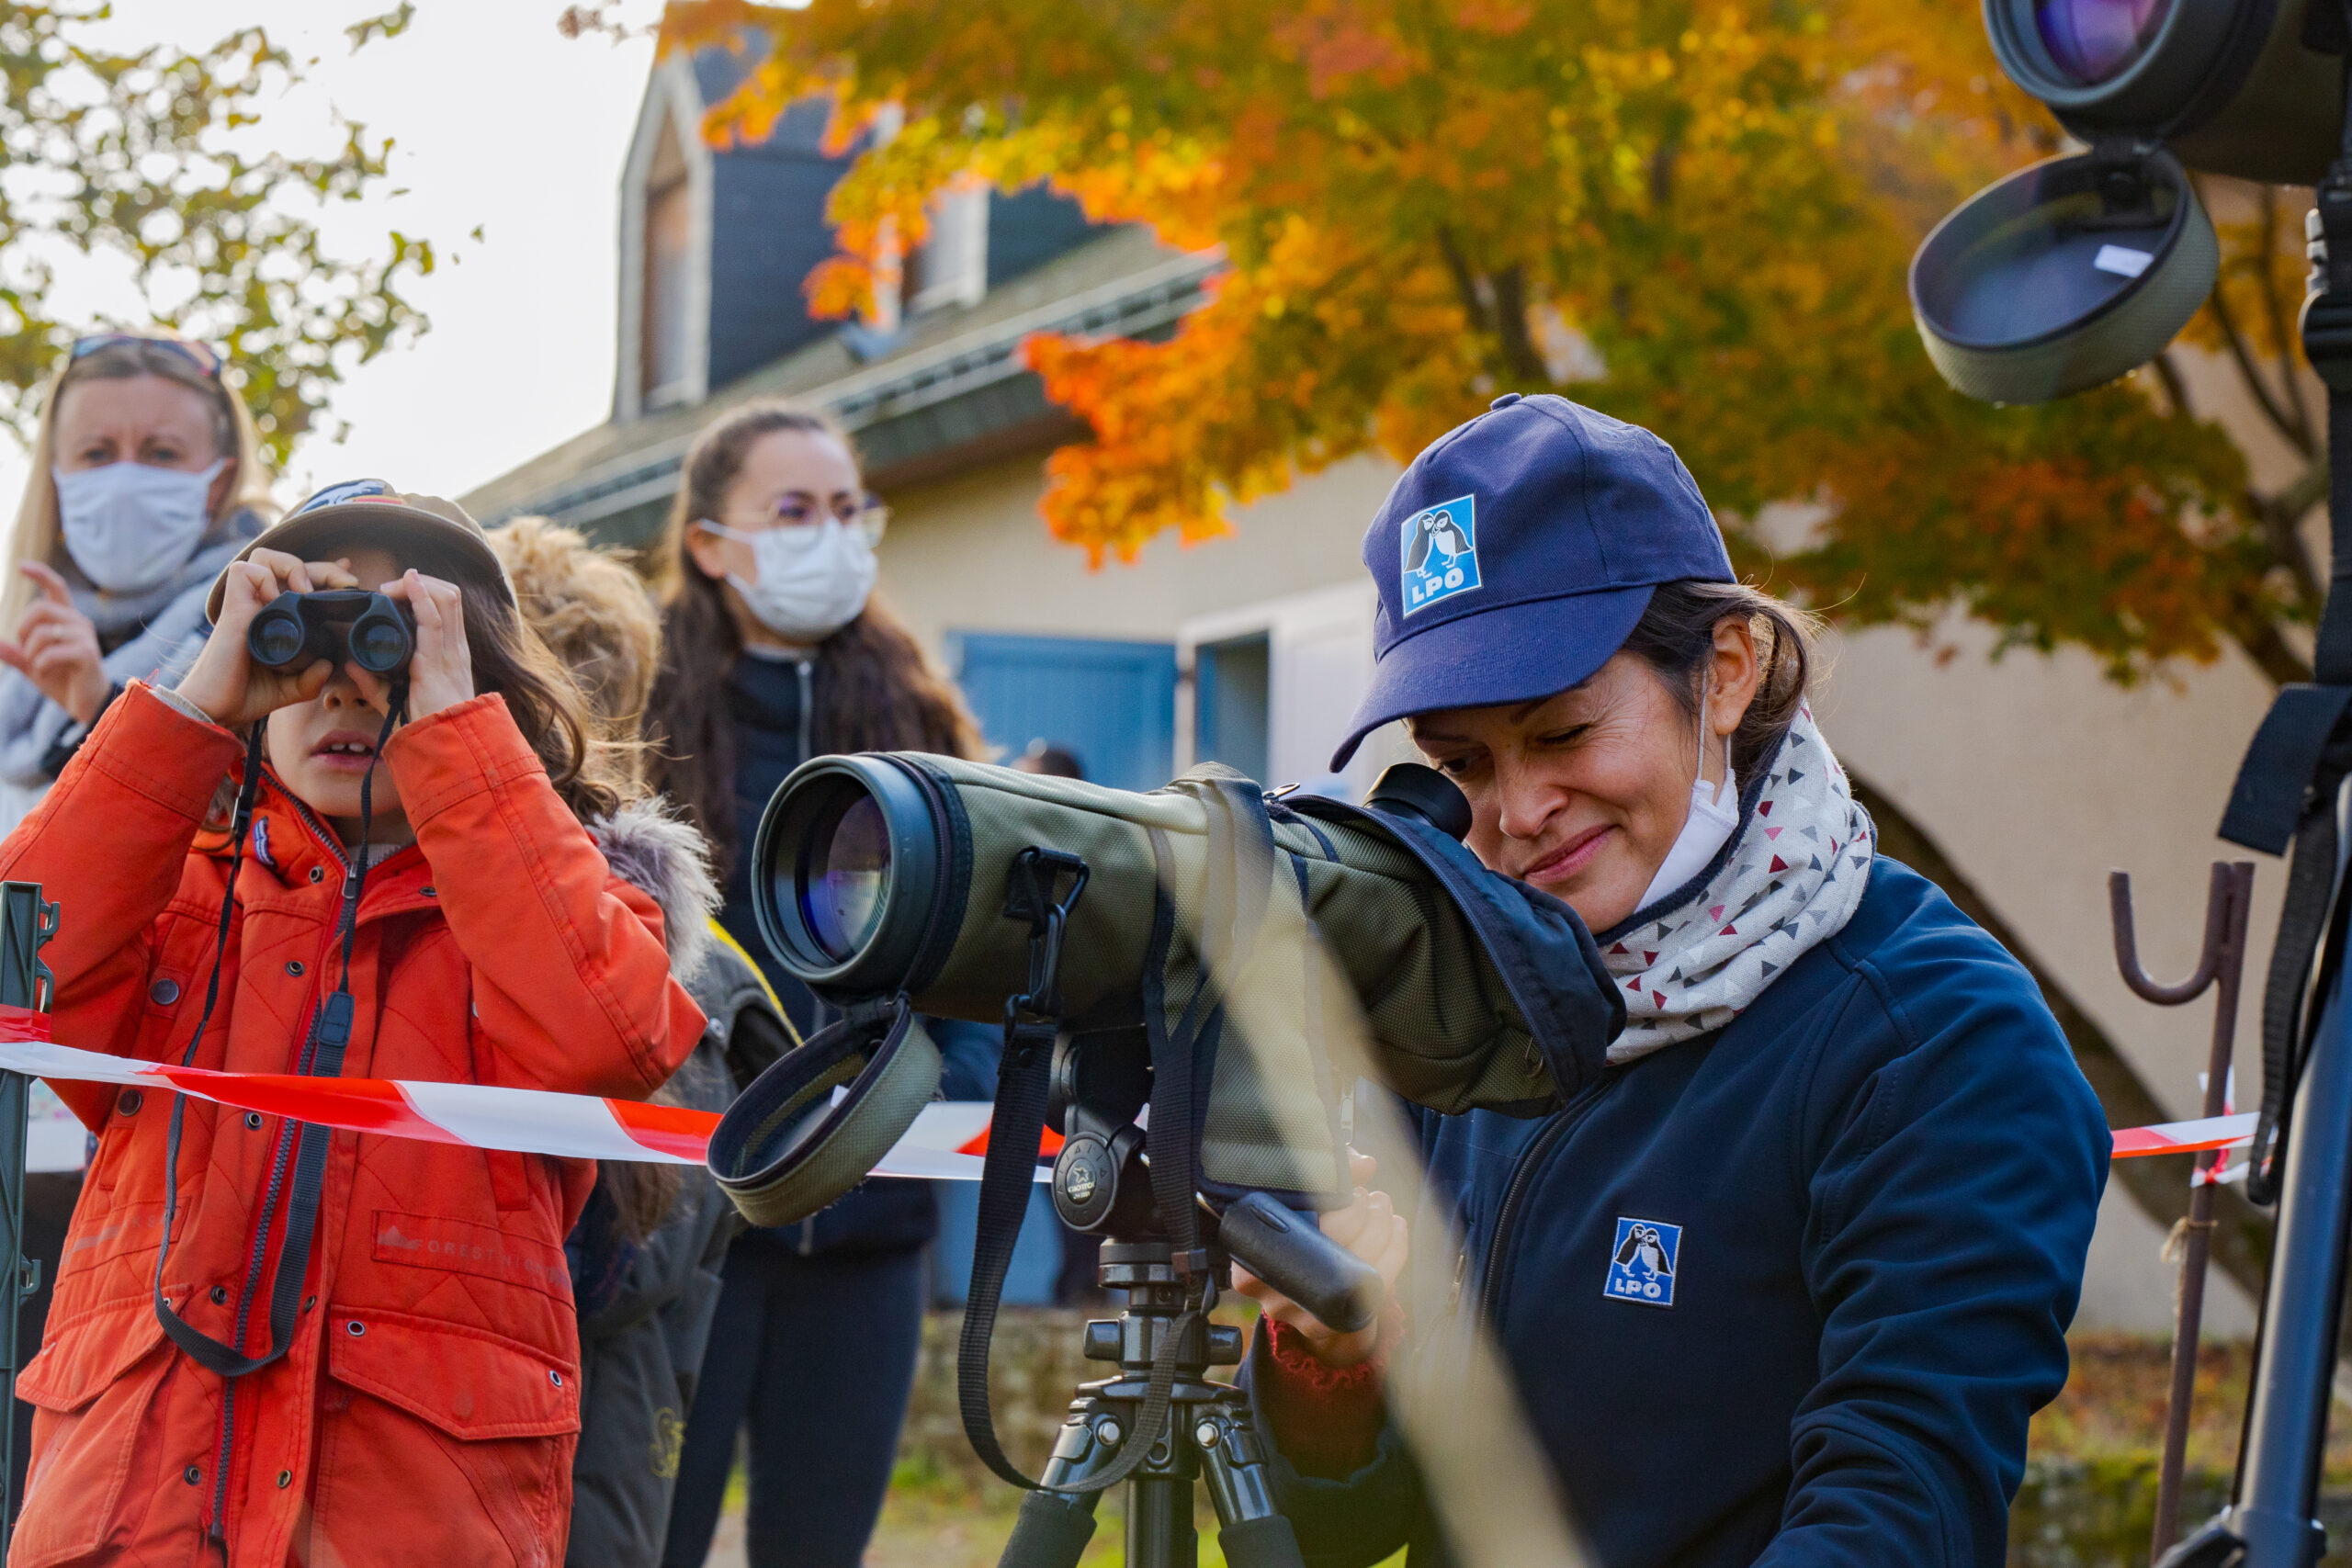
point(845, 870)
point(1412, 789)
point(338, 624)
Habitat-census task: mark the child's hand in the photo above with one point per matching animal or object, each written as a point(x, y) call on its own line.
point(57, 649)
point(441, 675)
point(225, 682)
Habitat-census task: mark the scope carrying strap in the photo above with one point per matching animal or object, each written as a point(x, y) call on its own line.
point(321, 1056)
point(1183, 1060)
point(2286, 789)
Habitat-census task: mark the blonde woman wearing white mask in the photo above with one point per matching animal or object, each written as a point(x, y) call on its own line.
point(147, 480)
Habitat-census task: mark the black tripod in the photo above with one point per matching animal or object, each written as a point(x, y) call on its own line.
point(1209, 1435)
point(2295, 786)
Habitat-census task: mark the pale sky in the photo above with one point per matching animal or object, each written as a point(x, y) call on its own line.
point(499, 121)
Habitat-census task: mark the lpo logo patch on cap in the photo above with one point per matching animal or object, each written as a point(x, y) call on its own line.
point(1440, 550)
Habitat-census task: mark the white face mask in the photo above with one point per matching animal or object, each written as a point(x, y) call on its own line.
point(129, 526)
point(813, 579)
point(1714, 817)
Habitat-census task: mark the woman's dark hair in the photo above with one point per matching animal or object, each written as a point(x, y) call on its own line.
point(1677, 634)
point(590, 775)
point(875, 691)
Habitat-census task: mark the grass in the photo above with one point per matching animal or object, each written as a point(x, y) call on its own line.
point(2112, 1409)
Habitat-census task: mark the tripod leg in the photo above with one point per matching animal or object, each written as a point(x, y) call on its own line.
point(1250, 1528)
point(1055, 1527)
point(1160, 1522)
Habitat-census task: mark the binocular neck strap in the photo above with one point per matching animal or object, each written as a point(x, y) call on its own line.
point(321, 1056)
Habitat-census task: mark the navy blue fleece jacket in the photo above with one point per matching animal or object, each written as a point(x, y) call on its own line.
point(1786, 1293)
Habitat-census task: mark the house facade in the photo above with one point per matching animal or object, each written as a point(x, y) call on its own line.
point(2033, 776)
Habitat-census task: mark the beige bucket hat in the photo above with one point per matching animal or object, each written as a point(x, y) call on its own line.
point(338, 512)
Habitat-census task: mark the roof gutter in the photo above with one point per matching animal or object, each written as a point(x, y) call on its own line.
point(962, 364)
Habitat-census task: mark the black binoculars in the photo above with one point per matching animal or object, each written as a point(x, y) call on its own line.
point(338, 624)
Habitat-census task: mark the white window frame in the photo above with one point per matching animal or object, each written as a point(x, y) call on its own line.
point(1319, 664)
point(955, 253)
point(671, 99)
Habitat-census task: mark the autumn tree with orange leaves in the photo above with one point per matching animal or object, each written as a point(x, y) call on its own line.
point(1694, 216)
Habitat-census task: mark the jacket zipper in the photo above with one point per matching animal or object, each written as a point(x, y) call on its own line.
point(808, 668)
point(808, 672)
point(280, 1155)
point(1522, 1176)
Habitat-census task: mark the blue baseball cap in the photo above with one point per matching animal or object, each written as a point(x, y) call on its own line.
point(1518, 552)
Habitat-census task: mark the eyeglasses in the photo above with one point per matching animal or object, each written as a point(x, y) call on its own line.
point(864, 514)
point(201, 355)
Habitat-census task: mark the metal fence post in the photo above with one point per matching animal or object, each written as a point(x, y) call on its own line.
point(26, 922)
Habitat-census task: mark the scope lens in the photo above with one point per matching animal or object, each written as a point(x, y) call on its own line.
point(843, 879)
point(277, 640)
point(378, 644)
point(2092, 40)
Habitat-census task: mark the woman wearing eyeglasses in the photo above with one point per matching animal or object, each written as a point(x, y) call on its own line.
point(774, 650)
point(147, 478)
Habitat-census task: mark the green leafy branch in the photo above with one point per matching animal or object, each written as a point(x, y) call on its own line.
point(138, 156)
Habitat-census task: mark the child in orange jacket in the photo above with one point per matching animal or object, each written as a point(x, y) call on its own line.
point(354, 1349)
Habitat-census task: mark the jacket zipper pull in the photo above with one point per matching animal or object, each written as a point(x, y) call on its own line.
point(808, 672)
point(1460, 1272)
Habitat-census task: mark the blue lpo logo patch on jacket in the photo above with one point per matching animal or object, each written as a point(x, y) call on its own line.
point(1440, 548)
point(1642, 1262)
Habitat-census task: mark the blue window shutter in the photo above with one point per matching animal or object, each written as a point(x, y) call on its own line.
point(1111, 703)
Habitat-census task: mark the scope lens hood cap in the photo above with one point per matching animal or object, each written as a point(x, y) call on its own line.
point(2063, 276)
point(786, 1150)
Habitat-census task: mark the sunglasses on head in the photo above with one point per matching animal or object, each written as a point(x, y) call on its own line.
point(199, 355)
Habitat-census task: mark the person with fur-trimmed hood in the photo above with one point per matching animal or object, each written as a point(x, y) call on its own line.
point(645, 1255)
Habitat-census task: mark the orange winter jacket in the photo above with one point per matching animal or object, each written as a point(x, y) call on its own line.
point(428, 1408)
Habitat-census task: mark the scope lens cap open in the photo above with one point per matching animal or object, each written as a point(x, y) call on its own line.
point(2063, 276)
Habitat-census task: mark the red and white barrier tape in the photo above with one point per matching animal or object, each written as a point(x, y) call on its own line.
point(947, 1143)
point(2185, 1137)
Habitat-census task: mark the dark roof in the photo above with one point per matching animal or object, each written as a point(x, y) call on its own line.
point(799, 133)
point(952, 388)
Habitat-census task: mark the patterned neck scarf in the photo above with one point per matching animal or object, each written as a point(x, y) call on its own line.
point(1791, 877)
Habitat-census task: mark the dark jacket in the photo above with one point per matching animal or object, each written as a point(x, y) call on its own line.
point(1874, 1188)
point(770, 700)
point(645, 1305)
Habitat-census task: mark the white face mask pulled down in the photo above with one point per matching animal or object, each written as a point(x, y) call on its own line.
point(1714, 817)
point(129, 526)
point(813, 579)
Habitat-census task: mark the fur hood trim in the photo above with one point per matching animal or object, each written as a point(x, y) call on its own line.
point(667, 861)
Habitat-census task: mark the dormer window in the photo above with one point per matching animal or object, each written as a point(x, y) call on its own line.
point(667, 325)
point(951, 267)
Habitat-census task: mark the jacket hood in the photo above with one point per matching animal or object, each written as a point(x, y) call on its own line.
point(669, 862)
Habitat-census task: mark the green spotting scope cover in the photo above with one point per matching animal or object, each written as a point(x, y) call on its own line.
point(1339, 943)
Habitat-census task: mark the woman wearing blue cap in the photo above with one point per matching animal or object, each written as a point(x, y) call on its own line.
point(1785, 1277)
